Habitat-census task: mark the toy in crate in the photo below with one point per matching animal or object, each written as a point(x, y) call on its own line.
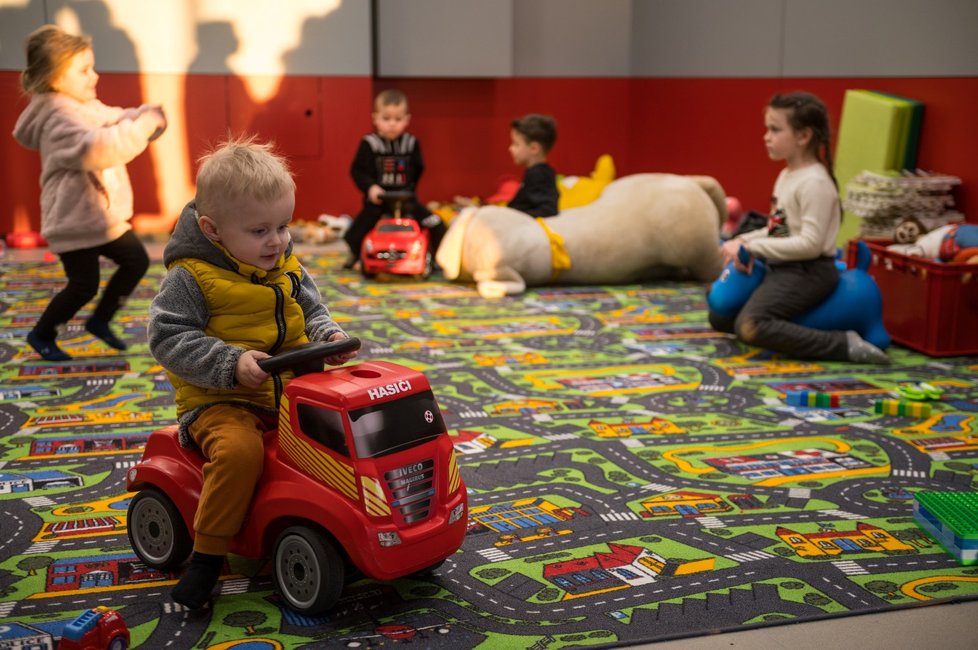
point(952, 519)
point(901, 206)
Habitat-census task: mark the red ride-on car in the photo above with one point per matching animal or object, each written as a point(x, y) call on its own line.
point(360, 473)
point(396, 244)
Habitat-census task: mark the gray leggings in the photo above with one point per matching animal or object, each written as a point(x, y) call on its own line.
point(789, 290)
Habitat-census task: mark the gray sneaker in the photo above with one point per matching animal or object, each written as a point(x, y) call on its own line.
point(862, 351)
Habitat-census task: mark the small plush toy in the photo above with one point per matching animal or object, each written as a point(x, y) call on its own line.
point(959, 245)
point(642, 227)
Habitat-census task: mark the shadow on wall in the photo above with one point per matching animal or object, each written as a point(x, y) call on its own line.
point(218, 103)
point(115, 54)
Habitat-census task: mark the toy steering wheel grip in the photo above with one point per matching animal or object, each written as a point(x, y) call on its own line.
point(397, 195)
point(308, 352)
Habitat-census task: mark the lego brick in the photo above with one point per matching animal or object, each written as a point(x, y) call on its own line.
point(810, 398)
point(902, 407)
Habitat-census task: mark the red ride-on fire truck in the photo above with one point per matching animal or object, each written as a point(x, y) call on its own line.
point(360, 472)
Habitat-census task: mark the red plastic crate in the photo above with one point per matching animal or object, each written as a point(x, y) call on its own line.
point(927, 306)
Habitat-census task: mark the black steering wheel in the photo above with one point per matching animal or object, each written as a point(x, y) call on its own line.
point(300, 358)
point(397, 195)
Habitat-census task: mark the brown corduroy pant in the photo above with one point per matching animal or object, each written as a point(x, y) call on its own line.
point(231, 439)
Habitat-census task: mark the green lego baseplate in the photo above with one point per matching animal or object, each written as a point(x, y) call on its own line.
point(951, 518)
point(956, 510)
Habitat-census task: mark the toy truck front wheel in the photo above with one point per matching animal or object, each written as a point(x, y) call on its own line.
point(156, 530)
point(309, 571)
point(117, 643)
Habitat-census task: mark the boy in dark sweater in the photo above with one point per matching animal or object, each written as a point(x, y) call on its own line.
point(388, 160)
point(531, 138)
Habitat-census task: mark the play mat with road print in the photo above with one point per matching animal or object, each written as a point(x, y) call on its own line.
point(633, 476)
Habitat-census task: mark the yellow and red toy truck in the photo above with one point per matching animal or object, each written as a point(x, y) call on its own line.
point(360, 471)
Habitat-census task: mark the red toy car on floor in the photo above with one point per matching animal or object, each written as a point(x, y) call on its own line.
point(397, 245)
point(99, 628)
point(360, 471)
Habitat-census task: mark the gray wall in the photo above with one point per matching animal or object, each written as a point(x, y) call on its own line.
point(521, 38)
point(679, 38)
point(445, 38)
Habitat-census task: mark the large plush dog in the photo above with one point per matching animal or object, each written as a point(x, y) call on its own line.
point(642, 227)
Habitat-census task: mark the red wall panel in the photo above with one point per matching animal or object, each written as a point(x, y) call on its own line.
point(717, 128)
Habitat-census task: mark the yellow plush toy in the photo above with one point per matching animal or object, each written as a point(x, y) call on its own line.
point(576, 191)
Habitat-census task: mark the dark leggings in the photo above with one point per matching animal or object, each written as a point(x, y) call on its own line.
point(789, 289)
point(83, 273)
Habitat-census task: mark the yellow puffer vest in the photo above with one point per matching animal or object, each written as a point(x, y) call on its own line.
point(253, 309)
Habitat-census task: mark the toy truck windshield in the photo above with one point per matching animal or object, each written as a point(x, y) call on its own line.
point(396, 425)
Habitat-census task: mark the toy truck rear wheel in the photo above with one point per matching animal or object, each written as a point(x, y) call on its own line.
point(156, 530)
point(308, 570)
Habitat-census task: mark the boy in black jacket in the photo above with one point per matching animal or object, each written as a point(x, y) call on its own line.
point(531, 138)
point(388, 160)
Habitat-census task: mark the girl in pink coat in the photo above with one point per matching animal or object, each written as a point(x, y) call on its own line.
point(86, 198)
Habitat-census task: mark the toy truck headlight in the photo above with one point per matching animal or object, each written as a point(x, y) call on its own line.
point(457, 513)
point(388, 539)
point(370, 246)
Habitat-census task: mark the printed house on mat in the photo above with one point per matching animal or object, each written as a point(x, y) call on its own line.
point(866, 538)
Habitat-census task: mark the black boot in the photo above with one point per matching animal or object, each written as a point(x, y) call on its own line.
point(48, 350)
point(196, 585)
point(100, 328)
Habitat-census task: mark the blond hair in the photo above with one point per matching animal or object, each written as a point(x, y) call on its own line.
point(241, 169)
point(390, 97)
point(49, 50)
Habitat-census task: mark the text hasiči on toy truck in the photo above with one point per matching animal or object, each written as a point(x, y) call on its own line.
point(360, 473)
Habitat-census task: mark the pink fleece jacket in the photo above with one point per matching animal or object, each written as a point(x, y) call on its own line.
point(86, 198)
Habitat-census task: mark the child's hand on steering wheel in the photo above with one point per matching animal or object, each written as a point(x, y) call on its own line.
point(247, 372)
point(340, 359)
